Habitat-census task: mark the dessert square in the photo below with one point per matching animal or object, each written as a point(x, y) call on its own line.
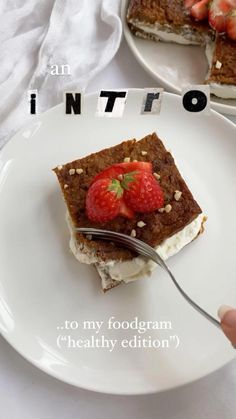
point(166, 21)
point(167, 229)
point(221, 56)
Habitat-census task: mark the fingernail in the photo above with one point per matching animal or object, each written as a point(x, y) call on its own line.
point(223, 310)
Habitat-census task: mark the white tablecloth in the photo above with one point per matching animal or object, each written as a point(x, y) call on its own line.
point(27, 393)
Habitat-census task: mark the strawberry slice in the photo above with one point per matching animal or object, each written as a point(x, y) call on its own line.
point(114, 171)
point(200, 10)
point(218, 14)
point(231, 4)
point(231, 25)
point(126, 211)
point(136, 165)
point(142, 192)
point(189, 3)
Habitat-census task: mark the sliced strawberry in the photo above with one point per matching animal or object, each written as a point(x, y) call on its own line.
point(103, 200)
point(143, 193)
point(136, 165)
point(200, 10)
point(123, 189)
point(229, 5)
point(231, 26)
point(114, 171)
point(126, 211)
point(218, 13)
point(232, 4)
point(189, 3)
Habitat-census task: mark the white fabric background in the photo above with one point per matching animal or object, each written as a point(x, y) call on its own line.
point(35, 34)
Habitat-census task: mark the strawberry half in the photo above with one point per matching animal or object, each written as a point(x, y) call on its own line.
point(218, 12)
point(231, 26)
point(142, 192)
point(200, 10)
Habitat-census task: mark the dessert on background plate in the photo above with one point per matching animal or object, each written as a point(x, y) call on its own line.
point(133, 188)
point(221, 56)
point(193, 22)
point(164, 20)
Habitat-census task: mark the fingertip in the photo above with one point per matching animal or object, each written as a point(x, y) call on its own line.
point(223, 310)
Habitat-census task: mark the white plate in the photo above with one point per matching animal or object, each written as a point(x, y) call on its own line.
point(42, 285)
point(173, 66)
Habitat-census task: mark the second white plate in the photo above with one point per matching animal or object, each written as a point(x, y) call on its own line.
point(173, 66)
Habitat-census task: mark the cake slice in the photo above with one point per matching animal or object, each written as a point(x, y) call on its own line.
point(168, 229)
point(221, 56)
point(167, 20)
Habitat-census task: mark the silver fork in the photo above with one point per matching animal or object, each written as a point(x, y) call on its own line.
point(144, 249)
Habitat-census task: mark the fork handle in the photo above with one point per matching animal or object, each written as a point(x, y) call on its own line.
point(187, 298)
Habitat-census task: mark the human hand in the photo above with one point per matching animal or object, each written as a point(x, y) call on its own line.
point(227, 317)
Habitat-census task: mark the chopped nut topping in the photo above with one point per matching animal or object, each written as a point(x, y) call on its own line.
point(144, 153)
point(168, 208)
point(59, 167)
point(218, 65)
point(177, 195)
point(133, 233)
point(71, 172)
point(120, 177)
point(157, 176)
point(66, 186)
point(79, 171)
point(141, 224)
point(126, 159)
point(161, 210)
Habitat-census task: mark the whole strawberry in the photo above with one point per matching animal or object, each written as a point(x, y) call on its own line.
point(104, 201)
point(142, 192)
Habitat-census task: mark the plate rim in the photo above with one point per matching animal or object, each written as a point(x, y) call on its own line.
point(220, 107)
point(58, 375)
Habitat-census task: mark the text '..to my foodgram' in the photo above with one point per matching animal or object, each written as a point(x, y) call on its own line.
point(145, 334)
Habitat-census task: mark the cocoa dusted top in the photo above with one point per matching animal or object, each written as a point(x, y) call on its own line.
point(75, 178)
point(225, 53)
point(165, 12)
